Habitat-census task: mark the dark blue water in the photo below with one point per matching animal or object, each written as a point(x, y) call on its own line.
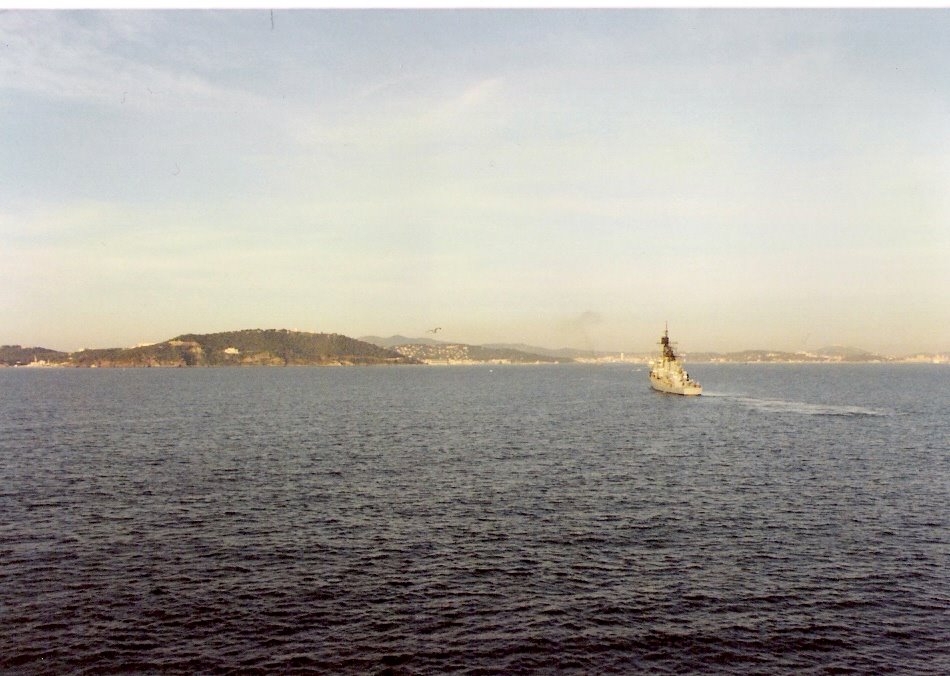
point(475, 520)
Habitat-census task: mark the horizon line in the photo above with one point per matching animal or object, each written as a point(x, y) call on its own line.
point(421, 340)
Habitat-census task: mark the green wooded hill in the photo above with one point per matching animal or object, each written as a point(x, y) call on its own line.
point(15, 355)
point(251, 347)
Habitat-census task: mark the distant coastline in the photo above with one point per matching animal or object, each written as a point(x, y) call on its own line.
point(283, 347)
point(252, 347)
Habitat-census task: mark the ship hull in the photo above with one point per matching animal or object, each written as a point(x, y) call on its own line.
point(670, 388)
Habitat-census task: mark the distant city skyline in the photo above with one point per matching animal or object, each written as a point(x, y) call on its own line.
point(760, 179)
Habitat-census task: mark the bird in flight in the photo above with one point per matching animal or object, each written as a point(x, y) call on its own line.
point(435, 330)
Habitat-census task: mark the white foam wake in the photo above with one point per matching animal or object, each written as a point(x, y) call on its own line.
point(800, 407)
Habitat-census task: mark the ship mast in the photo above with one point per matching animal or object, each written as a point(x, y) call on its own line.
point(665, 343)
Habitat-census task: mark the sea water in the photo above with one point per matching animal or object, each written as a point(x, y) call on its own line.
point(502, 519)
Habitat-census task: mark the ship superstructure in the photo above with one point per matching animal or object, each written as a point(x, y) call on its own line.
point(667, 373)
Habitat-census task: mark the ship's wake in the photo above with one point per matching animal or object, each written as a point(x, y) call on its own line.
point(799, 407)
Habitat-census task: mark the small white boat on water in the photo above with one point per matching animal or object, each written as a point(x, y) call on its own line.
point(667, 373)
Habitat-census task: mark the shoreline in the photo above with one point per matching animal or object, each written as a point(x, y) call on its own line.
point(606, 362)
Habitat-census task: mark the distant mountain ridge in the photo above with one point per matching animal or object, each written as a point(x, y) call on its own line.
point(439, 351)
point(561, 353)
point(848, 353)
point(826, 354)
point(460, 353)
point(393, 341)
point(830, 354)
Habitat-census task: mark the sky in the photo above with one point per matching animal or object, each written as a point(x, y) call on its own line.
point(760, 179)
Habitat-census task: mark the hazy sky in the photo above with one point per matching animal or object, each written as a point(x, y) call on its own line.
point(761, 179)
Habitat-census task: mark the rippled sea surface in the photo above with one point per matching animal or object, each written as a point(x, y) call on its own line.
point(794, 519)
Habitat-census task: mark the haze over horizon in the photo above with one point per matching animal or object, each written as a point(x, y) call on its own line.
point(773, 179)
